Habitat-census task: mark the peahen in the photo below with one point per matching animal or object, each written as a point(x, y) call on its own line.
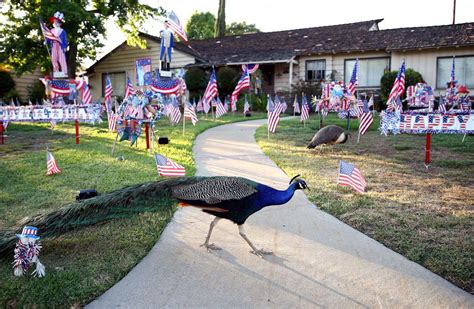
point(329, 135)
point(232, 198)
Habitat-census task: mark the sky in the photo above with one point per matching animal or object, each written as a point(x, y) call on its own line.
point(270, 15)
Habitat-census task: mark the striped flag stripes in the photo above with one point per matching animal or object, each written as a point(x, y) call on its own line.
point(51, 166)
point(274, 111)
point(366, 119)
point(244, 82)
point(220, 109)
point(296, 105)
point(108, 89)
point(112, 119)
point(174, 25)
point(167, 167)
point(190, 113)
point(129, 88)
point(304, 109)
point(246, 106)
point(353, 81)
point(350, 176)
point(397, 89)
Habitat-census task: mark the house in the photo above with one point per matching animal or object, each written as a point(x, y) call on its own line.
point(313, 54)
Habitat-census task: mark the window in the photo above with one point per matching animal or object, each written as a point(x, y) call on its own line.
point(118, 83)
point(464, 72)
point(315, 70)
point(370, 71)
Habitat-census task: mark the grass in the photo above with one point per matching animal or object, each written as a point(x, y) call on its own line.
point(424, 214)
point(81, 265)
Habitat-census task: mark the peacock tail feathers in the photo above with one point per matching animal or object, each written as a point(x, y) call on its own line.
point(114, 205)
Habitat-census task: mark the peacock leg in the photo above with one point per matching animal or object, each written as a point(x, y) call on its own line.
point(206, 243)
point(258, 252)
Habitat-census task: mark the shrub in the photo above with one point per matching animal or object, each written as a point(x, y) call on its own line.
point(6, 83)
point(36, 92)
point(196, 82)
point(412, 77)
point(310, 89)
point(227, 78)
point(12, 94)
point(257, 102)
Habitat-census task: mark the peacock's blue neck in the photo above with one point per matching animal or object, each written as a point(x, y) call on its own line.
point(269, 196)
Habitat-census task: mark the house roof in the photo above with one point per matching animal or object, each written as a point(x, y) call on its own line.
point(279, 45)
point(282, 46)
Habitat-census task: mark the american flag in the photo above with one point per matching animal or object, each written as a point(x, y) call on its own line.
point(296, 105)
point(206, 106)
point(184, 88)
point(165, 86)
point(366, 119)
point(360, 107)
point(274, 111)
point(220, 109)
point(190, 113)
point(442, 105)
point(47, 33)
point(129, 88)
point(350, 176)
point(251, 68)
point(86, 94)
point(199, 105)
point(211, 89)
point(397, 89)
point(304, 109)
point(108, 89)
point(353, 82)
point(52, 167)
point(233, 105)
point(326, 91)
point(167, 167)
point(246, 106)
point(174, 25)
point(175, 112)
point(113, 118)
point(244, 82)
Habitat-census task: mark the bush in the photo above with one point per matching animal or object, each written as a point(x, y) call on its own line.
point(12, 94)
point(412, 77)
point(196, 82)
point(6, 83)
point(310, 89)
point(36, 92)
point(227, 78)
point(257, 102)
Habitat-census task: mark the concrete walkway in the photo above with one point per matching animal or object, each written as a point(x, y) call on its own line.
point(318, 262)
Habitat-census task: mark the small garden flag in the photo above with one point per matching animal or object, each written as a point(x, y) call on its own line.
point(52, 167)
point(350, 176)
point(167, 167)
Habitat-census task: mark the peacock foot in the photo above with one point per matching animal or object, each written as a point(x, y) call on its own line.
point(210, 247)
point(261, 252)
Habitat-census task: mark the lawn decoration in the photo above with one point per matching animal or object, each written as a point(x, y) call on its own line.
point(26, 253)
point(56, 40)
point(455, 121)
point(136, 111)
point(420, 95)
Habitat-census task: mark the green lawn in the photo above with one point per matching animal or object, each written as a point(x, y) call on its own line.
point(81, 265)
point(424, 214)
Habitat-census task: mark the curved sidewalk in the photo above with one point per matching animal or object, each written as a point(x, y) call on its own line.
point(319, 261)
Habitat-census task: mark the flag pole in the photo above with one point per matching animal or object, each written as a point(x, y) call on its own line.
point(184, 123)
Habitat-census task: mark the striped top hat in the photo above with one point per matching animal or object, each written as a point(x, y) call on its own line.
point(57, 16)
point(29, 232)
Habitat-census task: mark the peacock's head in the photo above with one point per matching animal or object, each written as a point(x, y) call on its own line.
point(301, 183)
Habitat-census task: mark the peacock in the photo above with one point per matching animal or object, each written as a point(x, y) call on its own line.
point(329, 135)
point(231, 198)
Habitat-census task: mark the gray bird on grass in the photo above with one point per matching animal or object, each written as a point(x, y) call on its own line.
point(329, 135)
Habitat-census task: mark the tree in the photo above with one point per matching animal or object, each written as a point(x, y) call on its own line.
point(201, 26)
point(240, 28)
point(220, 22)
point(22, 44)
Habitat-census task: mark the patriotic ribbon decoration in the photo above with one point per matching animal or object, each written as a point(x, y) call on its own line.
point(165, 86)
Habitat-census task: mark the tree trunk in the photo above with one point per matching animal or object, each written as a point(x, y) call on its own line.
point(72, 60)
point(220, 22)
